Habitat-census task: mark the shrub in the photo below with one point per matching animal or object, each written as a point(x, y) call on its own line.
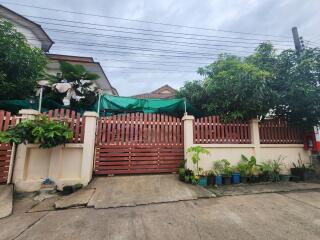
point(39, 131)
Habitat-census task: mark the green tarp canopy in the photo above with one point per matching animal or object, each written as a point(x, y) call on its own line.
point(112, 104)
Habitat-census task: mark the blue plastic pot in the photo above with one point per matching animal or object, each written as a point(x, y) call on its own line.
point(218, 180)
point(235, 178)
point(203, 181)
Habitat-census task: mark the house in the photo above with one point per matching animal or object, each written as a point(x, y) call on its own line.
point(164, 92)
point(37, 37)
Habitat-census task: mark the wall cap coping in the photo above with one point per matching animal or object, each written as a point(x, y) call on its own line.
point(231, 145)
point(29, 112)
point(90, 114)
point(187, 117)
point(67, 145)
point(282, 145)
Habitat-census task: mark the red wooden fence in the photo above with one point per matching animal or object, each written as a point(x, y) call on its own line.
point(277, 131)
point(6, 121)
point(139, 128)
point(208, 130)
point(75, 122)
point(138, 143)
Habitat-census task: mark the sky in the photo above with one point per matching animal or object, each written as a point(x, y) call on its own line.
point(143, 45)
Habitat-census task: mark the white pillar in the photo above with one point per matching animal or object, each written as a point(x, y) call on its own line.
point(88, 147)
point(188, 137)
point(19, 164)
point(28, 113)
point(255, 138)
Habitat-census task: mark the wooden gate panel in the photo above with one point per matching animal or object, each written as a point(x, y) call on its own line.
point(6, 121)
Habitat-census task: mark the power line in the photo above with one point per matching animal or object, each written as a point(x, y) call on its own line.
point(170, 43)
point(160, 31)
point(144, 21)
point(134, 53)
point(131, 47)
point(149, 34)
point(151, 69)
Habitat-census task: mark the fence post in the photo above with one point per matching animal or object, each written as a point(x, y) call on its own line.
point(255, 138)
point(88, 146)
point(188, 137)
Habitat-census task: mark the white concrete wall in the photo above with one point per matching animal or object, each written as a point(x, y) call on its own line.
point(65, 165)
point(232, 152)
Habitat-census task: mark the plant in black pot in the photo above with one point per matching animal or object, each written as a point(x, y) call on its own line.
point(182, 173)
point(243, 170)
point(254, 174)
point(266, 171)
point(301, 172)
point(227, 171)
point(211, 178)
point(276, 166)
point(187, 175)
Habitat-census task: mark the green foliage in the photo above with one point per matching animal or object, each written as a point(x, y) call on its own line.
point(218, 167)
point(297, 84)
point(246, 166)
point(20, 65)
point(285, 84)
point(196, 151)
point(39, 131)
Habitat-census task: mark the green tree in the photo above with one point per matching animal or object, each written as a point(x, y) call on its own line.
point(20, 65)
point(297, 84)
point(266, 82)
point(235, 89)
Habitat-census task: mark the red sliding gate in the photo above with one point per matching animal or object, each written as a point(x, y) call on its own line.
point(138, 143)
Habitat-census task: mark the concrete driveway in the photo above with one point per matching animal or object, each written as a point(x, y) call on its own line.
point(121, 191)
point(269, 216)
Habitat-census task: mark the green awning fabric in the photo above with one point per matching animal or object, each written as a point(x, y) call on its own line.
point(112, 104)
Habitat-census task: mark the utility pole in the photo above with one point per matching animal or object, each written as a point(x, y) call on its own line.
point(298, 41)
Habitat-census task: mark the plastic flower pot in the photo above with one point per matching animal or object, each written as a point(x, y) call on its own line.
point(203, 181)
point(284, 178)
point(235, 178)
point(244, 179)
point(211, 180)
point(187, 178)
point(218, 180)
point(226, 180)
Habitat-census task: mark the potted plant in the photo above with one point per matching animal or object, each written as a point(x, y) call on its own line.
point(203, 178)
point(247, 167)
point(266, 171)
point(211, 178)
point(196, 151)
point(254, 174)
point(235, 176)
point(187, 175)
point(276, 166)
point(285, 177)
point(218, 167)
point(227, 171)
point(182, 173)
point(300, 172)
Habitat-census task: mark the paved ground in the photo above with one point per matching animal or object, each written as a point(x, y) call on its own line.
point(5, 200)
point(259, 216)
point(142, 189)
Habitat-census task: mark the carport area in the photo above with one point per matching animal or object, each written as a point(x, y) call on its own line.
point(122, 191)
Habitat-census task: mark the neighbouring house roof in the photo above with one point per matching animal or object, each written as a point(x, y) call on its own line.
point(163, 92)
point(36, 29)
point(89, 64)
